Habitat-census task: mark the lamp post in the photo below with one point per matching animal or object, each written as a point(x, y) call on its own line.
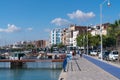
point(101, 25)
point(87, 40)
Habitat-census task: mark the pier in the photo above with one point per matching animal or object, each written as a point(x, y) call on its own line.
point(16, 60)
point(28, 63)
point(84, 69)
point(33, 60)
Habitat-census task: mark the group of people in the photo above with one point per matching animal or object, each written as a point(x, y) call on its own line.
point(69, 56)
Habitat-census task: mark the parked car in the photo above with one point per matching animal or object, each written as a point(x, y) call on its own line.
point(93, 53)
point(104, 55)
point(113, 55)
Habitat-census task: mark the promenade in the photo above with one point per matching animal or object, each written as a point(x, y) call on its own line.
point(82, 69)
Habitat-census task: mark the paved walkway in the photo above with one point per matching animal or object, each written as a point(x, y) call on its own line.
point(112, 69)
point(82, 69)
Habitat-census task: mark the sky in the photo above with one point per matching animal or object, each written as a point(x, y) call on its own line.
point(30, 20)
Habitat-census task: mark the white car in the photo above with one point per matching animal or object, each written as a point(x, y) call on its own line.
point(113, 55)
point(93, 53)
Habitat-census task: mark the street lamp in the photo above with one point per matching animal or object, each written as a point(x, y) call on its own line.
point(101, 24)
point(87, 37)
point(87, 40)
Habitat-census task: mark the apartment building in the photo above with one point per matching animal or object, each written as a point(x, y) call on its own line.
point(70, 34)
point(40, 43)
point(95, 30)
point(63, 36)
point(55, 36)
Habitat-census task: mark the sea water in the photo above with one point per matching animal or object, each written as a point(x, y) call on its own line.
point(29, 74)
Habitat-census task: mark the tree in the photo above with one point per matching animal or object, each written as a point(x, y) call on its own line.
point(108, 41)
point(114, 31)
point(61, 45)
point(117, 23)
point(95, 41)
point(29, 46)
point(80, 40)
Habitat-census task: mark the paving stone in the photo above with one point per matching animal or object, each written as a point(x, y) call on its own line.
point(82, 69)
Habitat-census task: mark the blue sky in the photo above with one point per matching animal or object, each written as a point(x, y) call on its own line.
point(33, 19)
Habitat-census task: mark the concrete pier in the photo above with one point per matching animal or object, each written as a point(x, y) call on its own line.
point(16, 65)
point(32, 63)
point(82, 69)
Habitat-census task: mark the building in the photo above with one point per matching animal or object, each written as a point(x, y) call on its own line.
point(70, 34)
point(55, 36)
point(40, 43)
point(63, 36)
point(18, 45)
point(96, 29)
point(75, 34)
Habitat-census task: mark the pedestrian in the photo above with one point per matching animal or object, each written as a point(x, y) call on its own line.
point(66, 60)
point(80, 53)
point(65, 64)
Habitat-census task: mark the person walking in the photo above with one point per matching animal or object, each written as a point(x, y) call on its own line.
point(80, 53)
point(66, 60)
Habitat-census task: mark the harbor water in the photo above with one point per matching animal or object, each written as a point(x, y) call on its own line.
point(29, 74)
point(32, 71)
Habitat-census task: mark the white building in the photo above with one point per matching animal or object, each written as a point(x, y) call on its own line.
point(75, 34)
point(97, 31)
point(55, 36)
point(71, 34)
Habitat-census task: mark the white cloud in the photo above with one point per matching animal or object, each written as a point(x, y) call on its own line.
point(60, 21)
point(81, 15)
point(29, 29)
point(11, 28)
point(47, 30)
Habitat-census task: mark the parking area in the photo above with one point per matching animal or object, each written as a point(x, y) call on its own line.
point(109, 56)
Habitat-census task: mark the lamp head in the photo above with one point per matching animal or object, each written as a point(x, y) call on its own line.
point(108, 4)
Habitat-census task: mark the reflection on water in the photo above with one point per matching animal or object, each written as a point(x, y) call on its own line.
point(31, 71)
point(35, 65)
point(4, 64)
point(29, 74)
point(44, 65)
